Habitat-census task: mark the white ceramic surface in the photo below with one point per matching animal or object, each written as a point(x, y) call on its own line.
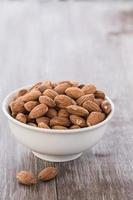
point(55, 145)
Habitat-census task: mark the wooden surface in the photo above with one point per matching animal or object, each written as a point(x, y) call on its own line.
point(89, 42)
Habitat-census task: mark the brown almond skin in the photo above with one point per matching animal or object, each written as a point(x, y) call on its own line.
point(38, 111)
point(81, 86)
point(21, 117)
point(30, 105)
point(54, 85)
point(74, 127)
point(22, 92)
point(45, 120)
point(72, 83)
point(51, 113)
point(43, 125)
point(91, 106)
point(47, 101)
point(35, 86)
point(62, 101)
point(89, 89)
point(99, 94)
point(48, 174)
point(98, 101)
point(63, 113)
point(59, 127)
point(26, 178)
point(106, 107)
point(60, 121)
point(76, 120)
point(95, 118)
point(50, 93)
point(31, 96)
point(74, 92)
point(77, 110)
point(84, 98)
point(45, 85)
point(60, 88)
point(17, 107)
point(29, 120)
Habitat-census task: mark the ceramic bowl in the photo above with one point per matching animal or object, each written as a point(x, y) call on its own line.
point(55, 145)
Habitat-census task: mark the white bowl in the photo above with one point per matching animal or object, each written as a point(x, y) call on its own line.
point(55, 145)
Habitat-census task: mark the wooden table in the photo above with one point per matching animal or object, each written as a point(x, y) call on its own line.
point(89, 42)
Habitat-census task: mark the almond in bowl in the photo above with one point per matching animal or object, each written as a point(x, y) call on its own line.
point(58, 121)
point(49, 100)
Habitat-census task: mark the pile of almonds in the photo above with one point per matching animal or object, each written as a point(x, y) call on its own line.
point(63, 105)
point(28, 178)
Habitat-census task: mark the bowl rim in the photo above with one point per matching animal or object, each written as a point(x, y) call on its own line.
point(5, 105)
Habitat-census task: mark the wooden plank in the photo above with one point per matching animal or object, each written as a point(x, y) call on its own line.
point(89, 42)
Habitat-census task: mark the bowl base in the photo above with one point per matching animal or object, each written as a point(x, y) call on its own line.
point(55, 158)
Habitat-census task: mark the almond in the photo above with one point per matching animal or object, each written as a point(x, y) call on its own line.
point(54, 85)
point(59, 127)
point(17, 107)
point(62, 101)
point(42, 125)
point(95, 118)
point(60, 88)
point(81, 86)
point(74, 126)
point(21, 117)
point(45, 120)
point(22, 92)
point(76, 120)
point(32, 124)
point(30, 120)
point(74, 92)
point(59, 105)
point(38, 111)
point(35, 86)
point(63, 113)
point(47, 101)
point(50, 93)
point(89, 89)
point(98, 101)
point(84, 98)
point(106, 107)
point(99, 94)
point(60, 121)
point(77, 110)
point(31, 96)
point(45, 85)
point(72, 83)
point(30, 105)
point(51, 113)
point(26, 178)
point(91, 106)
point(47, 174)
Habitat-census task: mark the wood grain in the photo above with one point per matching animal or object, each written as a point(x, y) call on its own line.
point(88, 42)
